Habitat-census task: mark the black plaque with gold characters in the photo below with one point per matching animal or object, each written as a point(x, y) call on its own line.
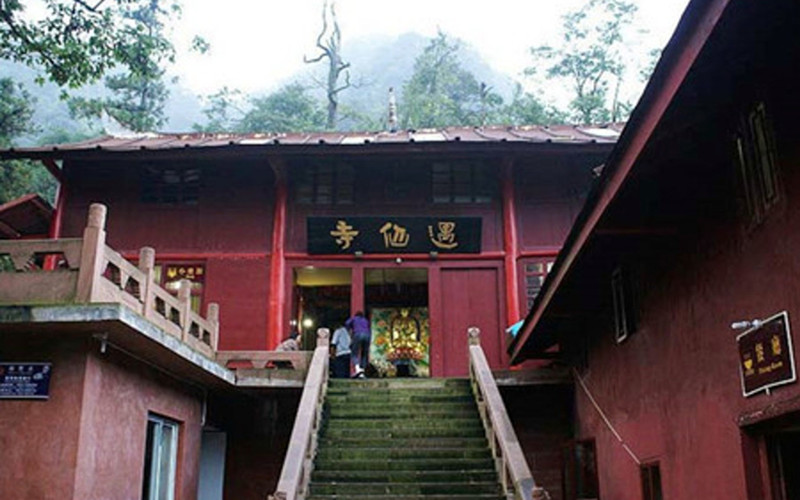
point(348, 235)
point(766, 358)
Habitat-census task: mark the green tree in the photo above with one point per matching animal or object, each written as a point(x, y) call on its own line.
point(76, 41)
point(289, 109)
point(19, 177)
point(526, 108)
point(441, 93)
point(589, 58)
point(223, 111)
point(138, 94)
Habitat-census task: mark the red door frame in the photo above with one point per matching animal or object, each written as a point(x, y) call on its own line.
point(434, 268)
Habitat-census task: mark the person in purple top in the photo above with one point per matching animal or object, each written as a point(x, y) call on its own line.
point(361, 340)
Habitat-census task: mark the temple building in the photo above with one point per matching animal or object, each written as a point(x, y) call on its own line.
point(652, 266)
point(427, 232)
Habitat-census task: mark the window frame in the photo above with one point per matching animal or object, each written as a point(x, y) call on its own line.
point(462, 183)
point(650, 474)
point(154, 187)
point(154, 455)
point(622, 303)
point(758, 170)
point(309, 188)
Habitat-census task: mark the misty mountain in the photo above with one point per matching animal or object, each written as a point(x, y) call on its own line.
point(377, 63)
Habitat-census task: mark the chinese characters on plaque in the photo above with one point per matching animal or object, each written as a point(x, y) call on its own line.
point(336, 235)
point(25, 380)
point(766, 359)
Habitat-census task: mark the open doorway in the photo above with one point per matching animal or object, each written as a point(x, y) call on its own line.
point(396, 301)
point(320, 299)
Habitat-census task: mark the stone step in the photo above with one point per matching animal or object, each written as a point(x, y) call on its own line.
point(404, 476)
point(408, 443)
point(425, 463)
point(418, 397)
point(438, 488)
point(402, 423)
point(398, 434)
point(401, 453)
point(357, 496)
point(399, 412)
point(399, 383)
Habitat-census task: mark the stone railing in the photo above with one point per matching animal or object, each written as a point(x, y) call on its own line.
point(297, 464)
point(85, 270)
point(515, 476)
point(258, 360)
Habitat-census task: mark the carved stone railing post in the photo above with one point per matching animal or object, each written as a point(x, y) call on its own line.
point(94, 244)
point(474, 334)
point(212, 314)
point(510, 460)
point(185, 298)
point(147, 263)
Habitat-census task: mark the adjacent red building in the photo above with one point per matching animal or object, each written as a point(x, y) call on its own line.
point(686, 247)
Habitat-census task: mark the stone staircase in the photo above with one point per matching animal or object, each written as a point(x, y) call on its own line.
point(403, 439)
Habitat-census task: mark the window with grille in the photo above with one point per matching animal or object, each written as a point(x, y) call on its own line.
point(755, 151)
point(170, 185)
point(462, 183)
point(325, 184)
point(534, 274)
point(160, 458)
point(651, 482)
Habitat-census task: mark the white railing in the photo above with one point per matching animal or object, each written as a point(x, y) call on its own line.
point(515, 476)
point(299, 460)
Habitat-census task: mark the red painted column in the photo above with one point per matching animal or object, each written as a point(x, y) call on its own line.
point(54, 232)
point(58, 215)
point(510, 243)
point(277, 269)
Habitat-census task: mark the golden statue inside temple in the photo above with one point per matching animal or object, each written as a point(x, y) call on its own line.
point(405, 330)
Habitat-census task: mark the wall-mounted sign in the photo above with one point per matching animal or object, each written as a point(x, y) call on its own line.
point(766, 358)
point(347, 235)
point(25, 380)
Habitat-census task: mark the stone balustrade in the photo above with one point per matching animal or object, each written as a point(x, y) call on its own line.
point(85, 270)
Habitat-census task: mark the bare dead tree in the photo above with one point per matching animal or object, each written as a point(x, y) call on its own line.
point(329, 43)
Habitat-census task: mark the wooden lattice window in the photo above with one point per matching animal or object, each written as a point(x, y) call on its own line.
point(462, 183)
point(171, 185)
point(325, 184)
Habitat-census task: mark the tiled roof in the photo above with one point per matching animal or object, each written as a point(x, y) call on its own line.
point(561, 134)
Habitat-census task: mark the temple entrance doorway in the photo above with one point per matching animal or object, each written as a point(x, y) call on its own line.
point(320, 299)
point(396, 303)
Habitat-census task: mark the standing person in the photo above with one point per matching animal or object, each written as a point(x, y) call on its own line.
point(340, 345)
point(361, 340)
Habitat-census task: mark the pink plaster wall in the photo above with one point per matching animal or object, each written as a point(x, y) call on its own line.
point(118, 395)
point(86, 441)
point(39, 439)
point(672, 390)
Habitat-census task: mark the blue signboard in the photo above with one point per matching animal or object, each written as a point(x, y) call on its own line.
point(25, 380)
